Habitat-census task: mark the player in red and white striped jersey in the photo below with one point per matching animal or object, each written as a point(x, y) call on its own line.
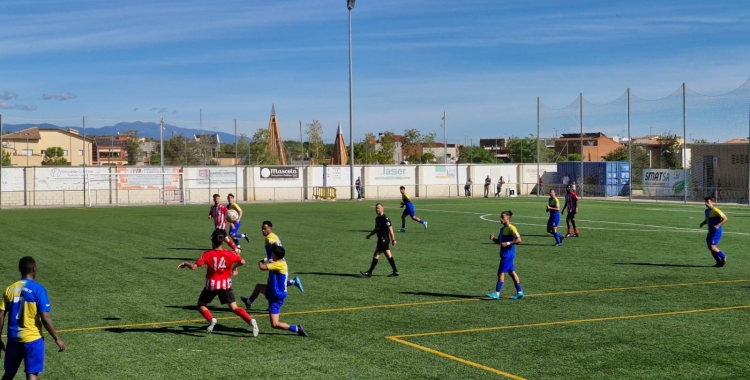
point(218, 213)
point(220, 265)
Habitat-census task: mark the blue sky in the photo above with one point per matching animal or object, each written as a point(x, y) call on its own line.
point(483, 62)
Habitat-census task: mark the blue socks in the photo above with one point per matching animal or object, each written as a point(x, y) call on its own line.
point(518, 288)
point(721, 255)
point(499, 286)
point(293, 328)
point(421, 221)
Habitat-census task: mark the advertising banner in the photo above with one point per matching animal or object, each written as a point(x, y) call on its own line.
point(337, 175)
point(46, 179)
point(203, 178)
point(12, 179)
point(279, 172)
point(147, 178)
point(663, 182)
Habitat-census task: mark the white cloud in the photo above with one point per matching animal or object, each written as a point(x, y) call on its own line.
point(20, 107)
point(60, 97)
point(8, 95)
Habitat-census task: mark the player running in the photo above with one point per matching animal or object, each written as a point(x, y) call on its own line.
point(275, 290)
point(272, 240)
point(218, 213)
point(553, 208)
point(508, 237)
point(715, 219)
point(234, 227)
point(408, 207)
point(571, 204)
point(220, 264)
point(384, 230)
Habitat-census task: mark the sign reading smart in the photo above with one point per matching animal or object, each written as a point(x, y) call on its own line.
point(279, 172)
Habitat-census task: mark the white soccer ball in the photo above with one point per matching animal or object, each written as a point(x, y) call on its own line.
point(233, 215)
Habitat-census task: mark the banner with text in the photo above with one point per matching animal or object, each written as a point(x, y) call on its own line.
point(204, 178)
point(663, 182)
point(11, 179)
point(148, 178)
point(46, 179)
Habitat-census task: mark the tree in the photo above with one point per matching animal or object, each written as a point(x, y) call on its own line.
point(364, 151)
point(621, 154)
point(410, 144)
point(5, 157)
point(384, 155)
point(525, 150)
point(670, 147)
point(315, 137)
point(54, 156)
point(259, 153)
point(474, 154)
point(132, 146)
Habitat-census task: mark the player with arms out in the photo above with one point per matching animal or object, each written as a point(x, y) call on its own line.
point(408, 207)
point(275, 290)
point(234, 226)
point(384, 230)
point(507, 238)
point(715, 219)
point(272, 240)
point(26, 304)
point(218, 213)
point(571, 204)
point(553, 208)
point(220, 265)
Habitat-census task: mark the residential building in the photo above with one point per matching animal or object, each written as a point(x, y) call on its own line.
point(595, 145)
point(27, 147)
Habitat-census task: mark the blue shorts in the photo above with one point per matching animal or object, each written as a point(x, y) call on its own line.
point(234, 231)
point(506, 264)
point(554, 219)
point(32, 355)
point(274, 306)
point(409, 209)
point(713, 237)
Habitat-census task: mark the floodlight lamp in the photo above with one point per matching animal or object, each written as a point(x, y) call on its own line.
point(350, 4)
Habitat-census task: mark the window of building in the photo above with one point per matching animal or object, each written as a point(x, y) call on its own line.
point(739, 159)
point(80, 152)
point(65, 153)
point(27, 152)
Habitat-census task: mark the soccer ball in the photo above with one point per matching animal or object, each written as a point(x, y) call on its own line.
point(232, 215)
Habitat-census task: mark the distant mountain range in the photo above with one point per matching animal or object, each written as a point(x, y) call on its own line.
point(150, 130)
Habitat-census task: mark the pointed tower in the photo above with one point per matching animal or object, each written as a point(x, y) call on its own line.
point(339, 149)
point(275, 143)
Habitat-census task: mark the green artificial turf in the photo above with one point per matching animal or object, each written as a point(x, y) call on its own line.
point(126, 312)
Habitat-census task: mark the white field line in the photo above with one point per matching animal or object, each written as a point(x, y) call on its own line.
point(658, 228)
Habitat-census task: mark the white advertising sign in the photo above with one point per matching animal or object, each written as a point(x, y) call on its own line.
point(12, 179)
point(46, 179)
point(203, 178)
point(663, 182)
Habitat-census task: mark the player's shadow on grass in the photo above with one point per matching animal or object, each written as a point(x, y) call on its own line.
point(188, 249)
point(214, 309)
point(331, 274)
point(365, 231)
point(194, 331)
point(431, 294)
point(666, 265)
point(170, 258)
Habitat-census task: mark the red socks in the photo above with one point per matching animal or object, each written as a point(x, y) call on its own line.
point(207, 314)
point(243, 314)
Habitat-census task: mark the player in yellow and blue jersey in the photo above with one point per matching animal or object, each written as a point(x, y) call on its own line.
point(27, 306)
point(234, 227)
point(408, 207)
point(275, 289)
point(508, 238)
point(272, 240)
point(553, 208)
point(715, 219)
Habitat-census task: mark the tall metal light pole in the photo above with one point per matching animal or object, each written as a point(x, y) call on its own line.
point(350, 6)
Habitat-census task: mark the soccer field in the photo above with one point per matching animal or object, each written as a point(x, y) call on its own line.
point(635, 297)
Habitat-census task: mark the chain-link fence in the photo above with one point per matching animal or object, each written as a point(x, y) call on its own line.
point(682, 147)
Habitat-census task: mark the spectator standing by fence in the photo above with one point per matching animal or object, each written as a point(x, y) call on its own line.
point(487, 183)
point(500, 183)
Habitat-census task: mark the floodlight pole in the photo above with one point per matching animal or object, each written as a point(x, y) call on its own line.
point(350, 6)
point(445, 140)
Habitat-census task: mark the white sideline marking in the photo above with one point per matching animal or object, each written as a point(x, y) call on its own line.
point(658, 228)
